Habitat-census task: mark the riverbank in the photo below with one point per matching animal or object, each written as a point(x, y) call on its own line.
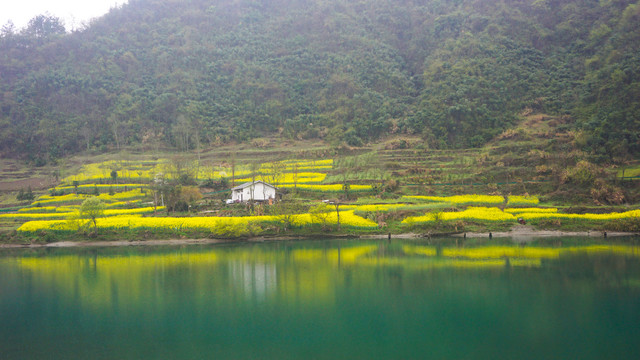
point(519, 234)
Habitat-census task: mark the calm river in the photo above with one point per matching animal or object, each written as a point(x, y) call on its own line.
point(351, 299)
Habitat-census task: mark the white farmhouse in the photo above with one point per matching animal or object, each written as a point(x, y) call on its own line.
point(253, 191)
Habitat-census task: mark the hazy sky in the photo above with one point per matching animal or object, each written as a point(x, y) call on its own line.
point(73, 12)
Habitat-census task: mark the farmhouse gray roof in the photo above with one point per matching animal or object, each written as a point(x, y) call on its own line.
point(247, 184)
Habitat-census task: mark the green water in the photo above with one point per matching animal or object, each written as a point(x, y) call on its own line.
point(323, 300)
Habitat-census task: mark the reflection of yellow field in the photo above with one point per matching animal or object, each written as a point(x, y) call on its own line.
point(443, 263)
point(501, 252)
point(343, 255)
point(99, 282)
point(139, 283)
point(419, 250)
point(498, 252)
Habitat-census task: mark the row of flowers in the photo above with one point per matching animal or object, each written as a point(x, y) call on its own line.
point(607, 216)
point(71, 213)
point(479, 199)
point(530, 210)
point(47, 201)
point(297, 164)
point(402, 206)
point(132, 170)
point(100, 187)
point(328, 187)
point(289, 178)
point(49, 209)
point(471, 213)
point(347, 219)
point(147, 170)
point(70, 208)
point(517, 200)
point(495, 214)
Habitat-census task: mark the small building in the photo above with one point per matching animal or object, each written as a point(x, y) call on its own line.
point(253, 191)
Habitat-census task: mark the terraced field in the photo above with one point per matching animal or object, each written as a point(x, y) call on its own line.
point(398, 186)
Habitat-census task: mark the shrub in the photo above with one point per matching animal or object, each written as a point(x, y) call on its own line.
point(603, 193)
point(583, 174)
point(91, 209)
point(320, 214)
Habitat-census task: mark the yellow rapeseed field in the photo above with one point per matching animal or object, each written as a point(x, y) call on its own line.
point(608, 216)
point(495, 214)
point(289, 178)
point(46, 199)
point(471, 213)
point(73, 212)
point(132, 170)
point(347, 219)
point(100, 187)
point(328, 187)
point(375, 207)
point(462, 199)
point(145, 171)
point(522, 200)
point(530, 210)
point(121, 196)
point(38, 209)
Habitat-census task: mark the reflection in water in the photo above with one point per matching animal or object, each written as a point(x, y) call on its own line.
point(356, 299)
point(258, 280)
point(258, 273)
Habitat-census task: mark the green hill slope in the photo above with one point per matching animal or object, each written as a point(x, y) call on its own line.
point(198, 73)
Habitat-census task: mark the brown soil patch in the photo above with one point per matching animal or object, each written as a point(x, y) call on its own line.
point(36, 183)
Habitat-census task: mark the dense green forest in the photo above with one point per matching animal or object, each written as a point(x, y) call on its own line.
point(192, 73)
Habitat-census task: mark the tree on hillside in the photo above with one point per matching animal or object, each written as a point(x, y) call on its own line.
point(320, 214)
point(285, 211)
point(457, 72)
point(28, 195)
point(43, 26)
point(91, 209)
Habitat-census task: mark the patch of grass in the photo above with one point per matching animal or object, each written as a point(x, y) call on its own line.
point(629, 171)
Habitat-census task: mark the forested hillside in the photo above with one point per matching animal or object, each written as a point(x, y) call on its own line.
point(195, 73)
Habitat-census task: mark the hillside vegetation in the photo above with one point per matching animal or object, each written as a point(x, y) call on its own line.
point(191, 74)
point(391, 190)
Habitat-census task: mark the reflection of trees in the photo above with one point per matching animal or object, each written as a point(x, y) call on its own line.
point(606, 270)
point(319, 274)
